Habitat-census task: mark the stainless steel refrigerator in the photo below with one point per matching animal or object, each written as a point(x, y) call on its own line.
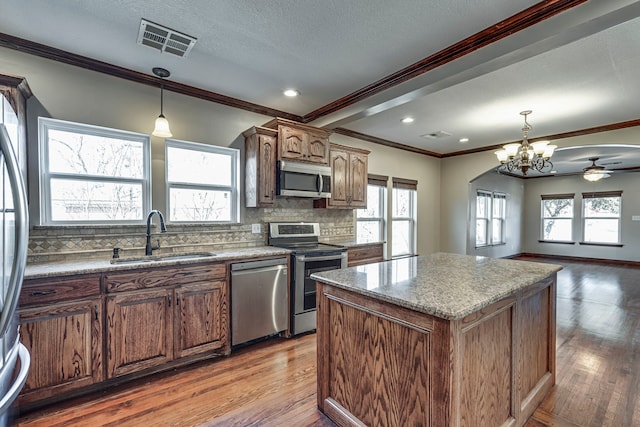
point(14, 231)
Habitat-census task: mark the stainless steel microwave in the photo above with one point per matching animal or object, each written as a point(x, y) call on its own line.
point(298, 179)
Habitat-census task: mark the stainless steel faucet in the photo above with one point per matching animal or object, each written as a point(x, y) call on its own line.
point(148, 249)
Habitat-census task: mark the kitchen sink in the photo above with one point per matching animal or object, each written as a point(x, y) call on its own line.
point(162, 257)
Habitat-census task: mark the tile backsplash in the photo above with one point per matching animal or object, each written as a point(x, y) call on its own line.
point(77, 243)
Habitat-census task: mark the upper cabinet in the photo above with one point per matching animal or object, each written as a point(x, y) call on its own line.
point(348, 178)
point(260, 167)
point(13, 114)
point(300, 142)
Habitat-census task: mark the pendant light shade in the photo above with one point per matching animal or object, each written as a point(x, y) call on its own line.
point(161, 128)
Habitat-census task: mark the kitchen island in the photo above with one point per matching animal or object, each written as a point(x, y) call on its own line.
point(438, 340)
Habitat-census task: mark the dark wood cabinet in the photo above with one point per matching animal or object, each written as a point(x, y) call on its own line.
point(200, 318)
point(348, 178)
point(300, 142)
point(155, 316)
point(15, 91)
point(260, 167)
point(365, 254)
point(139, 331)
point(61, 326)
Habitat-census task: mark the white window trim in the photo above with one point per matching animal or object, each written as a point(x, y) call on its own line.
point(543, 218)
point(233, 188)
point(585, 218)
point(489, 219)
point(383, 209)
point(46, 124)
point(412, 224)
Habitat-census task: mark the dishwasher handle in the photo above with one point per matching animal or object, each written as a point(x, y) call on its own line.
point(253, 265)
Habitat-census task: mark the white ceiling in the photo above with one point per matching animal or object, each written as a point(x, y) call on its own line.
point(575, 70)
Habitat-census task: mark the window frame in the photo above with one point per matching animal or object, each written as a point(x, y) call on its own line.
point(45, 210)
point(601, 195)
point(489, 219)
point(233, 188)
point(411, 185)
point(379, 182)
point(568, 196)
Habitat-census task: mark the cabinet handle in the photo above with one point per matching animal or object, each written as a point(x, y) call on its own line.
point(43, 293)
point(97, 313)
point(177, 300)
point(169, 300)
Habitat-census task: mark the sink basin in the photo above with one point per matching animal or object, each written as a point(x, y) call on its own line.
point(162, 257)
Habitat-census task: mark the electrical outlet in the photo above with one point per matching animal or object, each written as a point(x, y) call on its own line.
point(255, 228)
point(635, 218)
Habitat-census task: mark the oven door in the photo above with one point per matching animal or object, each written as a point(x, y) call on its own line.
point(304, 288)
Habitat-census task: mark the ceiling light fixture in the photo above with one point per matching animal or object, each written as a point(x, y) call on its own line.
point(595, 173)
point(463, 140)
point(522, 156)
point(162, 125)
point(407, 120)
point(291, 93)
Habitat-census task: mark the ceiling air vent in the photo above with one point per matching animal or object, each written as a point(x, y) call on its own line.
point(165, 39)
point(436, 135)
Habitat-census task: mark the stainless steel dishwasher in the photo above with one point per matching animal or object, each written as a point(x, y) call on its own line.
point(259, 300)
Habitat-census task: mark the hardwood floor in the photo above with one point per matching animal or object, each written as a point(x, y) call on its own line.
point(274, 383)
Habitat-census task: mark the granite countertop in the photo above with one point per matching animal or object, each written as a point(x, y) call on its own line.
point(449, 286)
point(35, 271)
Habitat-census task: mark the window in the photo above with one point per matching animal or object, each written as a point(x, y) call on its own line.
point(370, 222)
point(557, 217)
point(491, 218)
point(403, 221)
point(92, 175)
point(601, 217)
point(202, 182)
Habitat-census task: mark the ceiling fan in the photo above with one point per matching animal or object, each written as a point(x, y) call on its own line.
point(594, 172)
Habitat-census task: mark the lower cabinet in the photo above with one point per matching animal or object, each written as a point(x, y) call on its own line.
point(84, 330)
point(64, 338)
point(365, 254)
point(139, 331)
point(178, 312)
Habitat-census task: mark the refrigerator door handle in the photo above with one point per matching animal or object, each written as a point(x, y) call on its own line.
point(21, 378)
point(22, 231)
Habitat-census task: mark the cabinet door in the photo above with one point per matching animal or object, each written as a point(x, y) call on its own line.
point(266, 170)
point(292, 143)
point(139, 331)
point(202, 318)
point(65, 344)
point(358, 180)
point(339, 178)
point(318, 148)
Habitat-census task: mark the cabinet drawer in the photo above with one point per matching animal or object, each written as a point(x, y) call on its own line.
point(365, 254)
point(39, 291)
point(159, 277)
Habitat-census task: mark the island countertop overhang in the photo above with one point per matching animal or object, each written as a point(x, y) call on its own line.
point(449, 286)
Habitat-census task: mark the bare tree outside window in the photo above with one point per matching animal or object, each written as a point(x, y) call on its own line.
point(91, 174)
point(202, 181)
point(557, 219)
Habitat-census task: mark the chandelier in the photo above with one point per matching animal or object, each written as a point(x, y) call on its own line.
point(524, 156)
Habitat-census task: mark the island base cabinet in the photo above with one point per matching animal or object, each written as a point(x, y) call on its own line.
point(385, 365)
point(65, 344)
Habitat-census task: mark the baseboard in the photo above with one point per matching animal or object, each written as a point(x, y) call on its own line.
point(620, 262)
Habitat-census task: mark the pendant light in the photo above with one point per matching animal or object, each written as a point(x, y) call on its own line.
point(162, 125)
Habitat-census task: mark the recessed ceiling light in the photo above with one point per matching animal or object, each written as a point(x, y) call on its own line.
point(407, 120)
point(553, 171)
point(291, 93)
point(463, 140)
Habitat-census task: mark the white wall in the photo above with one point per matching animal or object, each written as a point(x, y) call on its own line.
point(627, 183)
point(514, 190)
